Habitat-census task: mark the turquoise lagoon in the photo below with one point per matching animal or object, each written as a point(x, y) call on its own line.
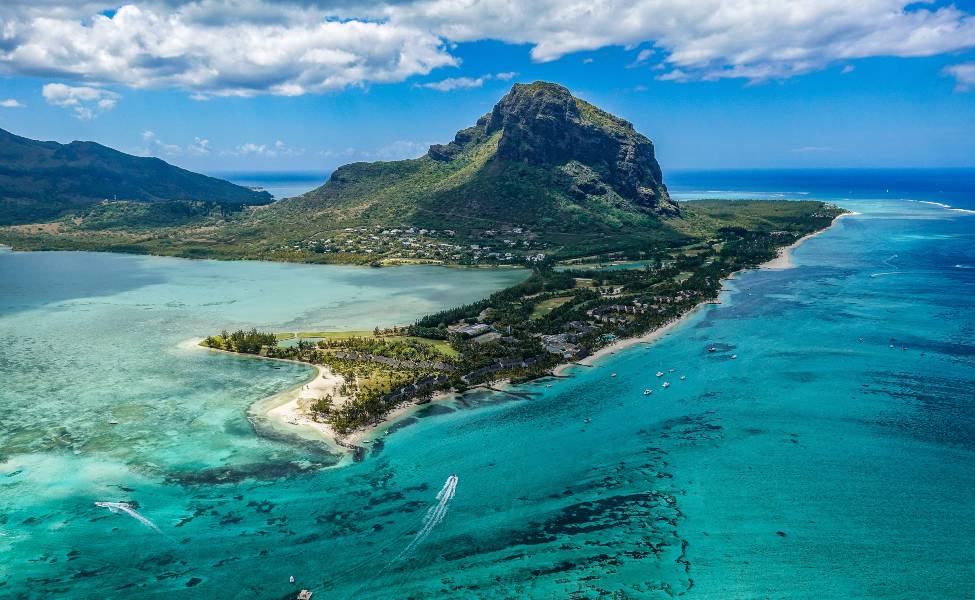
point(834, 457)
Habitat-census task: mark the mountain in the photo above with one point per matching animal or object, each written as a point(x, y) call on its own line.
point(44, 180)
point(541, 159)
point(543, 176)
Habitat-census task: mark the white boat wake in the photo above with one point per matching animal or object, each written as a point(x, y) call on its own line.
point(435, 514)
point(115, 507)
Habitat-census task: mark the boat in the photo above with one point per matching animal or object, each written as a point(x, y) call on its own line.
point(671, 370)
point(712, 349)
point(588, 419)
point(666, 384)
point(660, 373)
point(683, 377)
point(613, 375)
point(734, 356)
point(647, 392)
point(113, 422)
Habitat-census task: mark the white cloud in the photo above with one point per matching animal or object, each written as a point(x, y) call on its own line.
point(964, 74)
point(708, 39)
point(712, 39)
point(465, 83)
point(86, 102)
point(11, 103)
point(215, 47)
point(252, 149)
point(278, 148)
point(454, 83)
point(199, 147)
point(157, 147)
point(247, 47)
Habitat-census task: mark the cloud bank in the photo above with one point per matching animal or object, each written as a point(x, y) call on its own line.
point(248, 47)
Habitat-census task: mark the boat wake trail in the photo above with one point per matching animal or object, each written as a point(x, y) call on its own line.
point(435, 514)
point(115, 507)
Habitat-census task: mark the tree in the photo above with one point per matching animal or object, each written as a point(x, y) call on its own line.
point(322, 408)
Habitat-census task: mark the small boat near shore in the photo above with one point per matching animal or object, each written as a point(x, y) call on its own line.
point(647, 392)
point(666, 384)
point(660, 373)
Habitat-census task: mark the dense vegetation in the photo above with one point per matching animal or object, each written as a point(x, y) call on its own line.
point(247, 342)
point(40, 181)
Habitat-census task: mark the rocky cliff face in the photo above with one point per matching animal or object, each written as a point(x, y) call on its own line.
point(543, 124)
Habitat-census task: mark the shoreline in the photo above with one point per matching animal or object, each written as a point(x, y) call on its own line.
point(286, 410)
point(784, 259)
point(780, 263)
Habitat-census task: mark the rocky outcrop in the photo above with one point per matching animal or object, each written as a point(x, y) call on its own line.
point(544, 124)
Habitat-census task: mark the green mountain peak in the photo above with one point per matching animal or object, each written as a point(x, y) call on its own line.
point(541, 159)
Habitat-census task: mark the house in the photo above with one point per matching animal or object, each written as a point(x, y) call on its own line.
point(579, 327)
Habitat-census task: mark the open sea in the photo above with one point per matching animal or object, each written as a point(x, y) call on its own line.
point(833, 458)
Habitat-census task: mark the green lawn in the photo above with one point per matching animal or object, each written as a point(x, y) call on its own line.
point(546, 306)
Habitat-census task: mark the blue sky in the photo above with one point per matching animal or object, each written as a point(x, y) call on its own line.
point(826, 99)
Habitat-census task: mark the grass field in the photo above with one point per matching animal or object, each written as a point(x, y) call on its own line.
point(546, 306)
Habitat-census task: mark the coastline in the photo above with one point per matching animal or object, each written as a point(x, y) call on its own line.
point(286, 411)
point(784, 259)
point(781, 262)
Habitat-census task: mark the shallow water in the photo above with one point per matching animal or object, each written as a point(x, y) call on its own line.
point(812, 465)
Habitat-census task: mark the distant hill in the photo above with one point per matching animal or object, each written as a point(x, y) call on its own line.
point(541, 159)
point(43, 180)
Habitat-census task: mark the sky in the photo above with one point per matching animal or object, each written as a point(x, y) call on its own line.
point(253, 85)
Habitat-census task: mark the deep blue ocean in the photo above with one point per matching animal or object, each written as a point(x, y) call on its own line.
point(834, 457)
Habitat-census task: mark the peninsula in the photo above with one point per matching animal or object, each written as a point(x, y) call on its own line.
point(544, 181)
point(560, 315)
